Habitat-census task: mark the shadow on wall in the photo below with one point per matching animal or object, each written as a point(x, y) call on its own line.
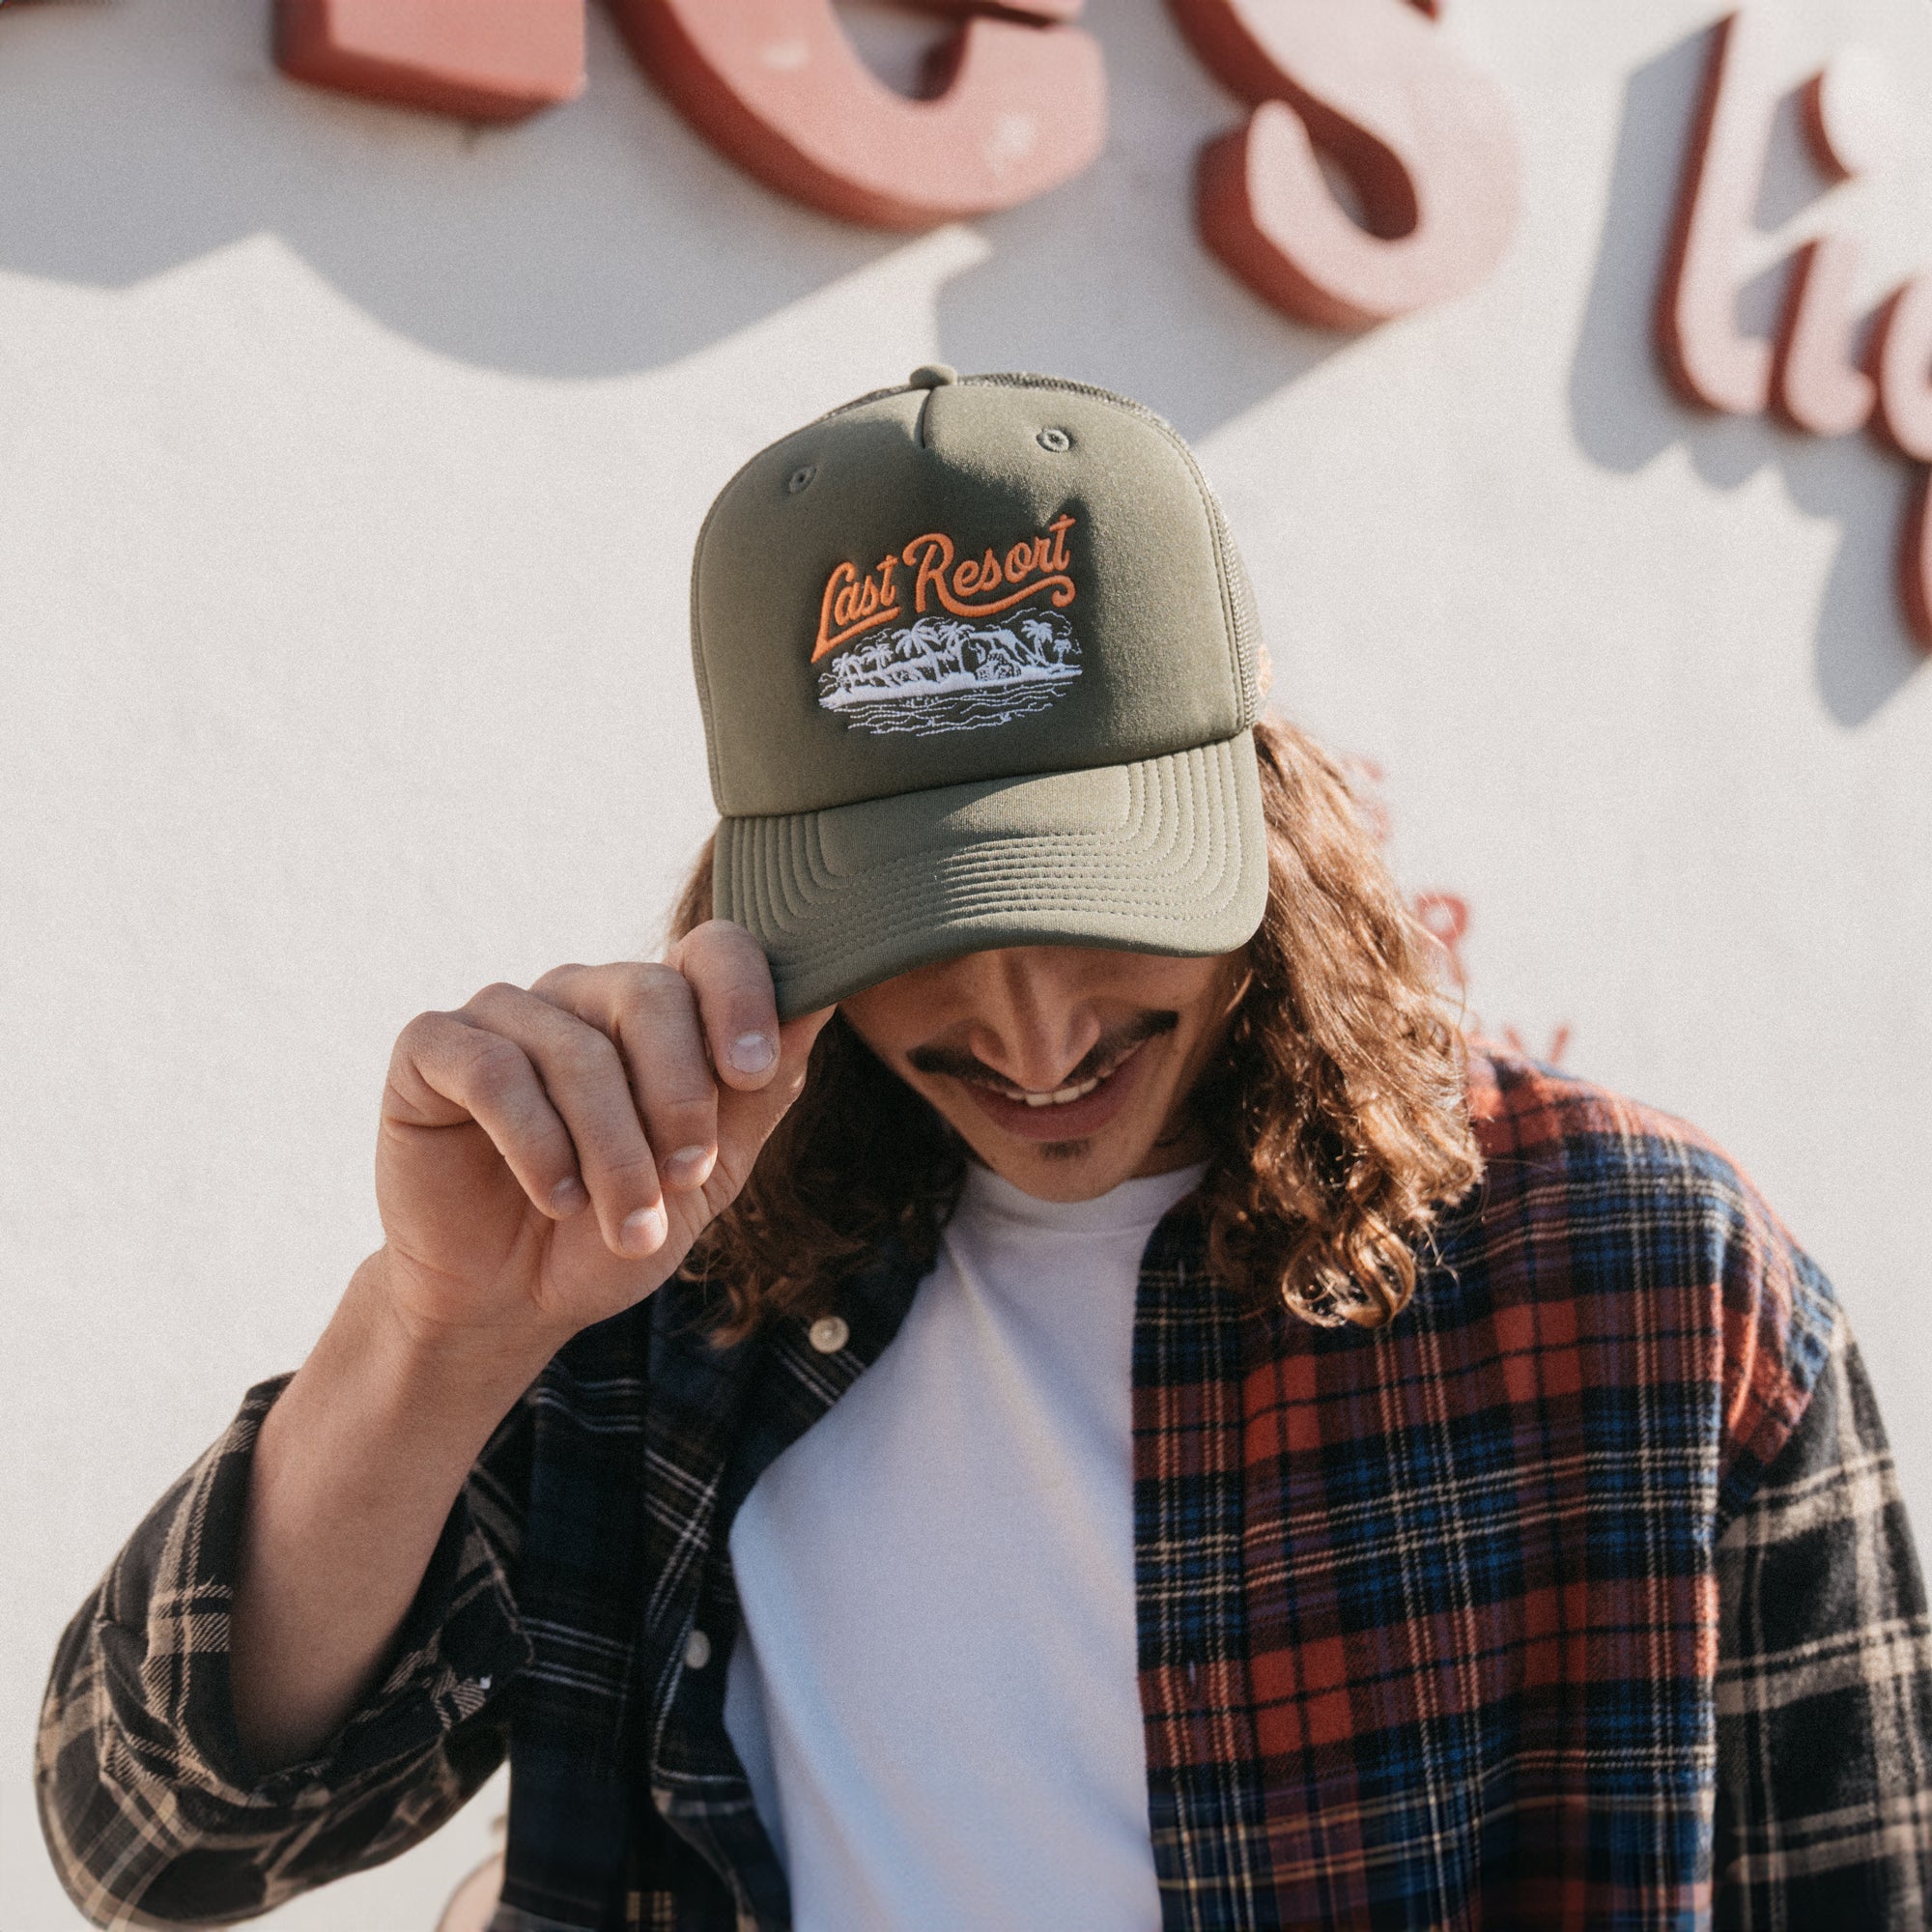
point(1107, 279)
point(1625, 414)
point(604, 237)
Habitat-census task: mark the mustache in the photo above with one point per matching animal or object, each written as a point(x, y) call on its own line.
point(1106, 1052)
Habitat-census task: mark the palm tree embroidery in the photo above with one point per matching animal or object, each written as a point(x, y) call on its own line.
point(938, 664)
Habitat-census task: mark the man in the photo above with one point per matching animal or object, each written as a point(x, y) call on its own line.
point(1122, 1424)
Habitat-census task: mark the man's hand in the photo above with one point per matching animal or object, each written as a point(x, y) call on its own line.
point(547, 1159)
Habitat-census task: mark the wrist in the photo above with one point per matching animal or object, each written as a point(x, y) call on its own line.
point(443, 1366)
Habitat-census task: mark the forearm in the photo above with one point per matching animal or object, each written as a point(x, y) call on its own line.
point(355, 1471)
point(151, 1811)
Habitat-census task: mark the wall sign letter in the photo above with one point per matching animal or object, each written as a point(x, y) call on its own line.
point(1820, 386)
point(1852, 121)
point(777, 86)
point(1713, 363)
point(1902, 358)
point(1426, 141)
point(486, 60)
point(1811, 376)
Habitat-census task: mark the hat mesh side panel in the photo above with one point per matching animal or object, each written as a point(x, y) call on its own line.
point(1243, 618)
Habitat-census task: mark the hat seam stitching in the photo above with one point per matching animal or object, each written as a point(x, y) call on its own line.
point(1129, 838)
point(806, 889)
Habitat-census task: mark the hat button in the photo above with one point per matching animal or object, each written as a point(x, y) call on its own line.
point(932, 376)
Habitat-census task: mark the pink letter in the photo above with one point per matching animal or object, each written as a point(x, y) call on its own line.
point(485, 60)
point(1850, 117)
point(1901, 358)
point(1709, 359)
point(1914, 563)
point(777, 86)
point(1424, 139)
point(1820, 386)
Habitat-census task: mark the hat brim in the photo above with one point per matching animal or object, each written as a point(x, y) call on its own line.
point(1164, 854)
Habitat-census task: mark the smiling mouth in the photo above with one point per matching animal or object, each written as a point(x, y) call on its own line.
point(1091, 1096)
point(1058, 1096)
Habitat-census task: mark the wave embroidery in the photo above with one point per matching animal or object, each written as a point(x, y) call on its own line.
point(945, 674)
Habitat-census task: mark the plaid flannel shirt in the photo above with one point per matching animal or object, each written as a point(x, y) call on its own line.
point(1583, 1595)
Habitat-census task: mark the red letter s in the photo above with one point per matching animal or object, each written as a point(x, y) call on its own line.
point(1426, 140)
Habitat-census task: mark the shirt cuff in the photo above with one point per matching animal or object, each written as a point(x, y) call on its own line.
point(166, 1635)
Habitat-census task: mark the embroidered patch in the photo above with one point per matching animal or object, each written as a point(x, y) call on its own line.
point(945, 674)
point(969, 657)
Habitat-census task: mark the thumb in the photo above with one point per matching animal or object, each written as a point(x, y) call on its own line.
point(746, 1121)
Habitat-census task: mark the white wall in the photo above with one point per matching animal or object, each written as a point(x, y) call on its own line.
point(352, 461)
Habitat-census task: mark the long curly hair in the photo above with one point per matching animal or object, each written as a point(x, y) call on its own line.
point(1336, 1117)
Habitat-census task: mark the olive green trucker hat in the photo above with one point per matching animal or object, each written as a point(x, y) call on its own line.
point(977, 664)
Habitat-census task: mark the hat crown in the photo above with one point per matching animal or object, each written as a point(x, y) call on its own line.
point(964, 579)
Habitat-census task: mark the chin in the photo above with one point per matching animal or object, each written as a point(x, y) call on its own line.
point(1069, 1169)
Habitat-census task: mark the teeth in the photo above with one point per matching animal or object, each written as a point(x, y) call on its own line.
point(1061, 1097)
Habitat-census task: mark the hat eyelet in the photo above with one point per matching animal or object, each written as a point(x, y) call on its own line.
point(1055, 439)
point(801, 478)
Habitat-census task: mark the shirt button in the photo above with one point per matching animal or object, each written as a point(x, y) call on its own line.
point(830, 1333)
point(696, 1651)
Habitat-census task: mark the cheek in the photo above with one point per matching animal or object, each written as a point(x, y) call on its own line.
point(1203, 1030)
point(1194, 988)
point(1200, 991)
point(887, 1025)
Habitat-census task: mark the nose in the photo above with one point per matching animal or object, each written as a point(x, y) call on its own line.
point(1031, 1023)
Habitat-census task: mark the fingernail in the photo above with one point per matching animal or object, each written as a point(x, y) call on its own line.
point(752, 1053)
point(568, 1196)
point(689, 1167)
point(644, 1232)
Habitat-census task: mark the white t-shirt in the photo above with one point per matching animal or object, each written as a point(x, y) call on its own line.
point(935, 1691)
